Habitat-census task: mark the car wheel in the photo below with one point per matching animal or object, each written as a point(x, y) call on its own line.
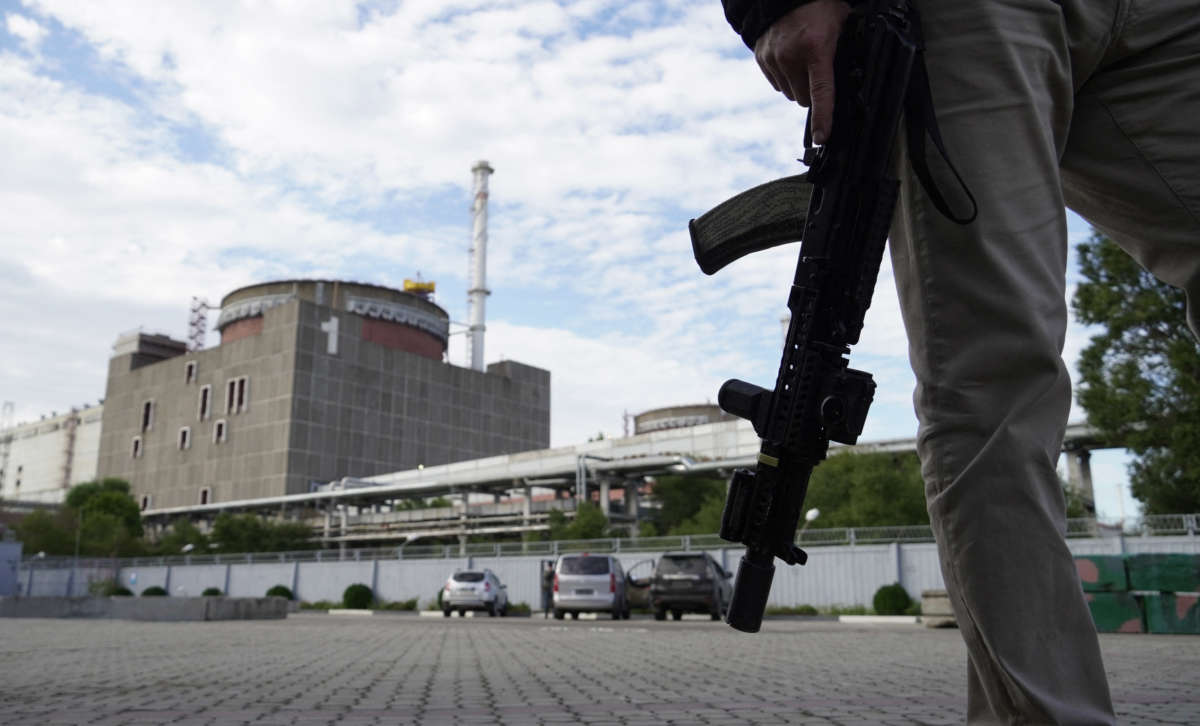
point(660, 614)
point(491, 609)
point(715, 613)
point(559, 614)
point(504, 611)
point(446, 612)
point(676, 614)
point(462, 613)
point(625, 613)
point(575, 615)
point(616, 613)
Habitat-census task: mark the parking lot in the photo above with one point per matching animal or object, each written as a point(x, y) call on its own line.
point(404, 669)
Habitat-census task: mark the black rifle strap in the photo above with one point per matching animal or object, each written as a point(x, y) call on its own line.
point(921, 122)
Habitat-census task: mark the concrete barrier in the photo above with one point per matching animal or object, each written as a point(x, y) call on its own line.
point(156, 609)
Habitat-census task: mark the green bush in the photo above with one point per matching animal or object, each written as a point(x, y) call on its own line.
point(519, 608)
point(318, 605)
point(891, 600)
point(848, 610)
point(797, 610)
point(399, 605)
point(154, 591)
point(108, 588)
point(357, 597)
point(281, 591)
point(212, 592)
point(436, 602)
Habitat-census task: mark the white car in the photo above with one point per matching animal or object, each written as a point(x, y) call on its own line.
point(474, 590)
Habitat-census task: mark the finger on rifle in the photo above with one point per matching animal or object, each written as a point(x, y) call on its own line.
point(820, 88)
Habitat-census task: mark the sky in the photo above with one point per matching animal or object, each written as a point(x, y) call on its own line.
point(158, 151)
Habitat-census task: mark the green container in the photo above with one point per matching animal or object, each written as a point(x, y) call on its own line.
point(1116, 612)
point(1170, 613)
point(1102, 573)
point(1164, 573)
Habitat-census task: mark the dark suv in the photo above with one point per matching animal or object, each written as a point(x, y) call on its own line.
point(689, 582)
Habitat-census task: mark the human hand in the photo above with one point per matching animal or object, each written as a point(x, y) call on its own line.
point(796, 55)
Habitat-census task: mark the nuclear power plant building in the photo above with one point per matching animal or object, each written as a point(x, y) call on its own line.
point(313, 380)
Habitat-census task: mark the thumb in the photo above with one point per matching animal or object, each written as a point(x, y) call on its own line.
point(820, 88)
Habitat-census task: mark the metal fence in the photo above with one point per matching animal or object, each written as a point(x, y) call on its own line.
point(1149, 526)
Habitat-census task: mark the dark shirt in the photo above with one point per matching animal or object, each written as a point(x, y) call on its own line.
point(751, 18)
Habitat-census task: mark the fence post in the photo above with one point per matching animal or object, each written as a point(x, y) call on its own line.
point(228, 572)
point(687, 543)
point(898, 562)
point(296, 579)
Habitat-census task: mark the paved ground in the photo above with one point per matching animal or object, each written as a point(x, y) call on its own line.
point(403, 669)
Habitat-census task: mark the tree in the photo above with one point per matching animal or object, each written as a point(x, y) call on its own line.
point(249, 533)
point(1140, 376)
point(681, 498)
point(183, 532)
point(868, 490)
point(706, 520)
point(589, 523)
point(49, 532)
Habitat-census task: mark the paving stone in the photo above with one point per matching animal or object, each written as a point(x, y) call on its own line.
point(310, 670)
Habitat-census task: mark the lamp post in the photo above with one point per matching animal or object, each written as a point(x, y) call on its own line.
point(809, 517)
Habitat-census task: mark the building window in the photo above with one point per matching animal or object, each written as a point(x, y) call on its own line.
point(137, 447)
point(219, 431)
point(189, 372)
point(205, 402)
point(148, 415)
point(204, 495)
point(185, 438)
point(237, 395)
point(146, 502)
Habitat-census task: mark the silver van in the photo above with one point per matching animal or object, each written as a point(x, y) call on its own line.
point(590, 583)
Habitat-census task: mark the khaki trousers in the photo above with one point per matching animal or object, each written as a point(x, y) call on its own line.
point(1092, 104)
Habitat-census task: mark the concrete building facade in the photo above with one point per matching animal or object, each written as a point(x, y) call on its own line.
point(313, 380)
point(41, 460)
point(675, 417)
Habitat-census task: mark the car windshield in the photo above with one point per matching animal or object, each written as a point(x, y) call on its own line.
point(682, 566)
point(584, 566)
point(468, 577)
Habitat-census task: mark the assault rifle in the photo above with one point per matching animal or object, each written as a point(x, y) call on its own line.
point(850, 196)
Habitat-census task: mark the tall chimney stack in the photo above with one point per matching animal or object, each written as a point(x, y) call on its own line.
point(478, 292)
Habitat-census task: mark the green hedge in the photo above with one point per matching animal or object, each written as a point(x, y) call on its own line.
point(154, 591)
point(357, 597)
point(281, 591)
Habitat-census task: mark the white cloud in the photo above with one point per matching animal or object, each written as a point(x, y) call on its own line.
point(28, 30)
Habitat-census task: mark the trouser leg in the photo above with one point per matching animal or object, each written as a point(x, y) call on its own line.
point(984, 306)
point(1132, 162)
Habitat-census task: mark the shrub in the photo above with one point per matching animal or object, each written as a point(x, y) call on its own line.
point(318, 605)
point(797, 610)
point(891, 600)
point(154, 591)
point(399, 605)
point(357, 597)
point(281, 591)
point(848, 610)
point(436, 602)
point(519, 608)
point(211, 592)
point(108, 588)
